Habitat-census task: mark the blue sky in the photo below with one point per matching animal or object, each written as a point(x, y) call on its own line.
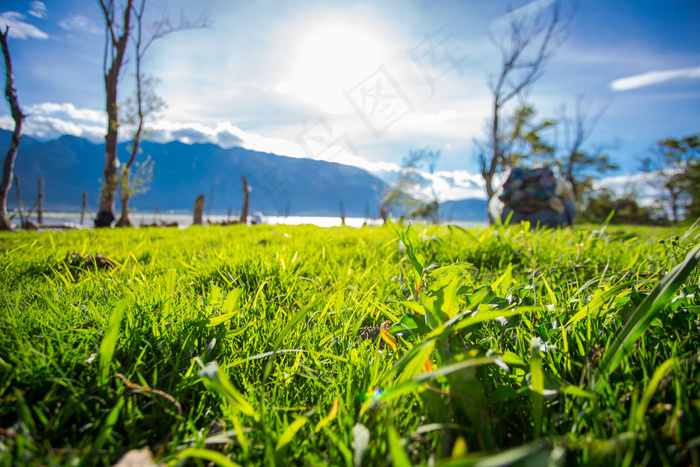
point(296, 77)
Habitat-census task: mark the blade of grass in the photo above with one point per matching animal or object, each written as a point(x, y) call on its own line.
point(643, 314)
point(287, 437)
point(206, 454)
point(399, 458)
point(599, 299)
point(651, 389)
point(109, 341)
point(213, 377)
point(108, 425)
point(292, 322)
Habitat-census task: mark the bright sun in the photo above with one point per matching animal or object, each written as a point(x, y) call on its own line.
point(330, 61)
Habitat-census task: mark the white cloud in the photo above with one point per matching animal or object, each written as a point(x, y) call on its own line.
point(47, 128)
point(644, 186)
point(80, 23)
point(227, 135)
point(654, 77)
point(37, 9)
point(223, 134)
point(448, 186)
point(18, 28)
point(49, 108)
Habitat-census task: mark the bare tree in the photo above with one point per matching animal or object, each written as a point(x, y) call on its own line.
point(18, 117)
point(397, 197)
point(530, 44)
point(117, 36)
point(676, 163)
point(145, 102)
point(575, 164)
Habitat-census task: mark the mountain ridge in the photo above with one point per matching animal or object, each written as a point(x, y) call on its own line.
point(279, 184)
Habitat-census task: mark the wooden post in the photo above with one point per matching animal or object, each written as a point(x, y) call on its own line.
point(342, 214)
point(244, 213)
point(82, 210)
point(228, 219)
point(211, 197)
point(155, 216)
point(198, 210)
point(40, 211)
point(19, 202)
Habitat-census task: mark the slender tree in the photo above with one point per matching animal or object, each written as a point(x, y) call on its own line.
point(530, 43)
point(409, 177)
point(525, 140)
point(575, 164)
point(116, 39)
point(18, 117)
point(677, 162)
point(531, 142)
point(144, 104)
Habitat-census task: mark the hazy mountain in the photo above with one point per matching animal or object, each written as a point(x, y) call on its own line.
point(464, 210)
point(70, 165)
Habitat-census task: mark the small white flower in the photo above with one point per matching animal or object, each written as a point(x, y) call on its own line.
point(546, 347)
point(501, 320)
point(536, 342)
point(551, 308)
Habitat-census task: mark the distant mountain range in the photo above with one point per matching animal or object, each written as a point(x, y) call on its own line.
point(71, 165)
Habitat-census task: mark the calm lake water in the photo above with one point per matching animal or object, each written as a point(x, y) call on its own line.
point(72, 219)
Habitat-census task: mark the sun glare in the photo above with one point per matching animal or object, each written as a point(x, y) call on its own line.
point(330, 61)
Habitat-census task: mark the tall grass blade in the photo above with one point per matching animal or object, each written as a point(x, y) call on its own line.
point(599, 299)
point(328, 418)
point(109, 341)
point(206, 454)
point(287, 437)
point(651, 389)
point(537, 387)
point(108, 425)
point(292, 322)
point(213, 377)
point(650, 307)
point(399, 458)
point(513, 456)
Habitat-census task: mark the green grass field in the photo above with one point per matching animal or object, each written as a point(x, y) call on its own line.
point(239, 346)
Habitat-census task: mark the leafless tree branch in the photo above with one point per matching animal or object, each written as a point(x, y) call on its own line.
point(18, 117)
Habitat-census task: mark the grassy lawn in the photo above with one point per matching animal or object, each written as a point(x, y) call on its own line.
point(240, 345)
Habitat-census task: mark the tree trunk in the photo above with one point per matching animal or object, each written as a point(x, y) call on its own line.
point(198, 210)
point(674, 207)
point(82, 209)
point(211, 197)
point(40, 202)
point(19, 201)
point(18, 117)
point(244, 213)
point(124, 220)
point(488, 179)
point(105, 214)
